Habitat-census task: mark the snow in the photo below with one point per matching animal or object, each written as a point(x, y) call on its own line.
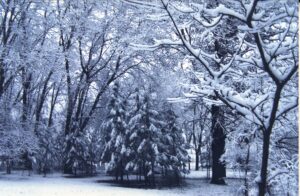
point(182, 7)
point(214, 21)
point(221, 9)
point(145, 5)
point(203, 174)
point(156, 45)
point(58, 185)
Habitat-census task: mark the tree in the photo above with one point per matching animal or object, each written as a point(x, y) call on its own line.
point(146, 139)
point(172, 146)
point(116, 149)
point(92, 60)
point(23, 34)
point(266, 52)
point(197, 125)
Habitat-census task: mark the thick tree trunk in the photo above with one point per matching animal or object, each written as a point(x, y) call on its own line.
point(262, 184)
point(218, 147)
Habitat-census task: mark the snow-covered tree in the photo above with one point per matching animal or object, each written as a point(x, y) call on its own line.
point(172, 147)
point(266, 54)
point(145, 132)
point(116, 127)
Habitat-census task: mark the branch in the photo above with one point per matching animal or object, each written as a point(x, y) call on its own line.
point(143, 4)
point(195, 53)
point(287, 108)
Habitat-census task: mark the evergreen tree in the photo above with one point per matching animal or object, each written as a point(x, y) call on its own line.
point(77, 153)
point(115, 153)
point(145, 132)
point(134, 126)
point(173, 148)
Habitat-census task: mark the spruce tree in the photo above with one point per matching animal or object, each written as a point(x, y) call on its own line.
point(145, 132)
point(115, 153)
point(173, 148)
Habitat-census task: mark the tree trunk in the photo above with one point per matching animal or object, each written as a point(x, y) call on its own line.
point(26, 82)
point(218, 147)
point(8, 166)
point(68, 168)
point(197, 160)
point(246, 192)
point(262, 184)
point(2, 78)
point(121, 171)
point(41, 102)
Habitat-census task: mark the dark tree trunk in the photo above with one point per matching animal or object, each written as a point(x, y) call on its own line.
point(66, 43)
point(121, 172)
point(2, 78)
point(246, 192)
point(26, 82)
point(197, 160)
point(68, 168)
point(264, 165)
point(8, 166)
point(53, 103)
point(40, 104)
point(199, 149)
point(218, 146)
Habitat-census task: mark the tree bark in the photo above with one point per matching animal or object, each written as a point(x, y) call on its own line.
point(2, 78)
point(26, 82)
point(8, 166)
point(41, 101)
point(246, 192)
point(218, 147)
point(197, 160)
point(262, 184)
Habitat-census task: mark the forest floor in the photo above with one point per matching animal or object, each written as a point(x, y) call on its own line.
point(196, 184)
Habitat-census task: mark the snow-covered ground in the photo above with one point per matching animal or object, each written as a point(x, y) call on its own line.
point(58, 185)
point(202, 173)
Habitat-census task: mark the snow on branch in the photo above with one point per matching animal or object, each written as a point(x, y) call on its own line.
point(276, 173)
point(224, 68)
point(206, 24)
point(243, 105)
point(143, 4)
point(157, 17)
point(178, 100)
point(195, 52)
point(223, 10)
point(156, 45)
point(183, 8)
point(287, 107)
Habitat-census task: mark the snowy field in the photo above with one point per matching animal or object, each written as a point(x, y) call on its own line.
point(58, 185)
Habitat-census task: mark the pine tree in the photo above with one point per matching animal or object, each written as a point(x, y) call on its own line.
point(77, 152)
point(174, 155)
point(134, 126)
point(115, 153)
point(145, 132)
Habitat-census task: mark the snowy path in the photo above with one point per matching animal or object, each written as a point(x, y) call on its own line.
point(57, 185)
